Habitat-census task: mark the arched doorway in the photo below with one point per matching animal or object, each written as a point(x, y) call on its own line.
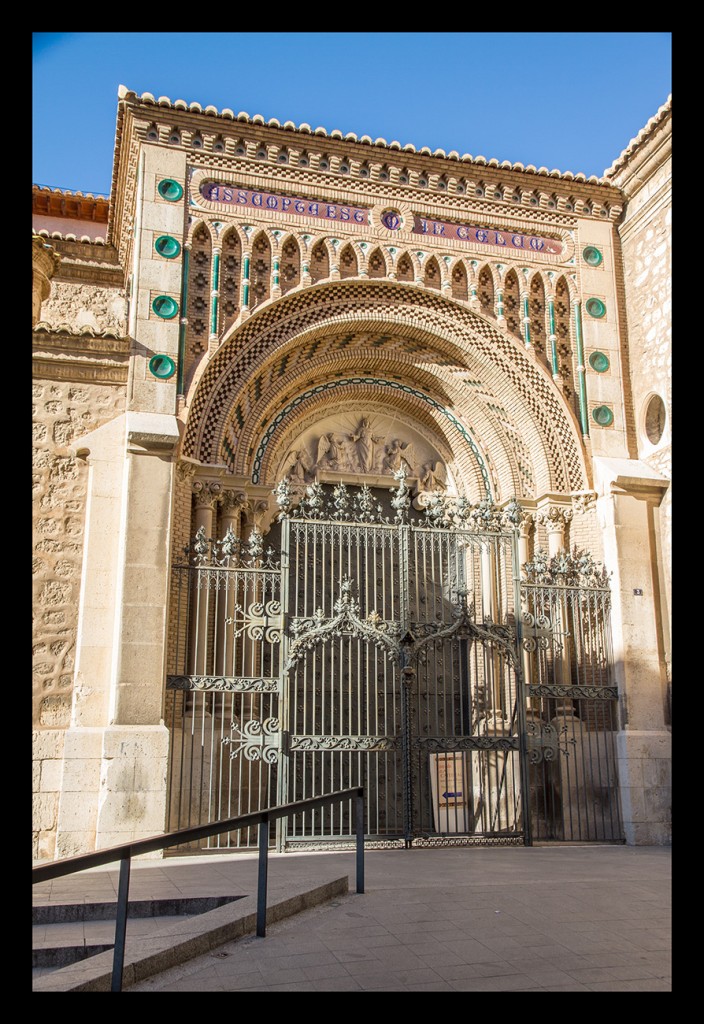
point(342, 386)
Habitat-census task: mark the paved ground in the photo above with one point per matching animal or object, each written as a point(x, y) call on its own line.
point(569, 918)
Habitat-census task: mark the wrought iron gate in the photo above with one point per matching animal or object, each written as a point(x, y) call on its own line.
point(385, 652)
point(572, 704)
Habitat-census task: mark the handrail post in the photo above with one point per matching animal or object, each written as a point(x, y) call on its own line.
point(118, 957)
point(262, 880)
point(359, 825)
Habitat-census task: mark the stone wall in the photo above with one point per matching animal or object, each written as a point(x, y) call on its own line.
point(644, 172)
point(62, 412)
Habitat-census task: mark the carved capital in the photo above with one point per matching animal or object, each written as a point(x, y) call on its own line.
point(233, 502)
point(185, 471)
point(584, 502)
point(554, 517)
point(206, 493)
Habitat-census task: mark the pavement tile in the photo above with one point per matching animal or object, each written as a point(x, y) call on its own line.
point(645, 985)
point(347, 984)
point(511, 983)
point(472, 952)
point(336, 970)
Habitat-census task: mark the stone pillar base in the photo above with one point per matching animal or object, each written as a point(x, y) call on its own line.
point(645, 786)
point(113, 787)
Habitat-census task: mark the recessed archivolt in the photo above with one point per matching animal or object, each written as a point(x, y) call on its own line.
point(481, 447)
point(470, 347)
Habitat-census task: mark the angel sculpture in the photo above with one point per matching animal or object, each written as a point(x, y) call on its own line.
point(332, 453)
point(433, 477)
point(398, 453)
point(298, 468)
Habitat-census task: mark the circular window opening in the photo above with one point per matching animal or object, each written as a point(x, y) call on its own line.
point(162, 366)
point(170, 189)
point(655, 419)
point(599, 361)
point(165, 307)
point(167, 246)
point(596, 308)
point(603, 416)
point(592, 256)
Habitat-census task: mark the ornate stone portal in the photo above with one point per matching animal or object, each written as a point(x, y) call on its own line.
point(370, 446)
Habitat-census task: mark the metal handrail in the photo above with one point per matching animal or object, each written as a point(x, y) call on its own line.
point(125, 852)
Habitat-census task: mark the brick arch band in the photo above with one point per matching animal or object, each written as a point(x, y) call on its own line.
point(445, 352)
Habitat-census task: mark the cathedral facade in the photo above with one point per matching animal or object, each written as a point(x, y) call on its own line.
point(351, 466)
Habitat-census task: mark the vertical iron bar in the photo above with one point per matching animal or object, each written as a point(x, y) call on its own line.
point(359, 824)
point(118, 958)
point(262, 875)
point(520, 699)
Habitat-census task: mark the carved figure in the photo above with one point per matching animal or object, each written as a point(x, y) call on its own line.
point(433, 477)
point(366, 441)
point(299, 468)
point(332, 452)
point(398, 453)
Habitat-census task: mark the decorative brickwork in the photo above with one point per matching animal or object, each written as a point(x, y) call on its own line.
point(536, 308)
point(198, 309)
point(290, 265)
point(406, 318)
point(260, 271)
point(230, 278)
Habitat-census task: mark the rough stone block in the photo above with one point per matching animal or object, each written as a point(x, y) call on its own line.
point(48, 743)
point(77, 812)
point(71, 843)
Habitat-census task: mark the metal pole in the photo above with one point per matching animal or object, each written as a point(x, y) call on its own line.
point(262, 878)
point(118, 958)
point(359, 822)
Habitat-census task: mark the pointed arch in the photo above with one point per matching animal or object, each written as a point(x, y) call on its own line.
point(512, 304)
point(536, 312)
point(199, 285)
point(348, 262)
point(376, 264)
point(459, 281)
point(404, 268)
point(260, 271)
point(432, 277)
point(290, 274)
point(230, 278)
point(319, 262)
point(563, 332)
point(486, 291)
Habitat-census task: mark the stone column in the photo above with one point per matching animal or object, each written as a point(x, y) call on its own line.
point(206, 494)
point(555, 518)
point(230, 525)
point(116, 750)
point(629, 491)
point(525, 528)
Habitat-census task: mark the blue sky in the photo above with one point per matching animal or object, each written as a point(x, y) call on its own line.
point(565, 100)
